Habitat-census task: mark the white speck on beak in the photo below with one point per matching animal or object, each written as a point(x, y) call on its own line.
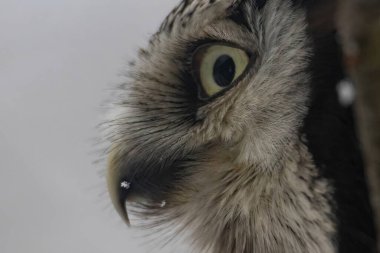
point(125, 185)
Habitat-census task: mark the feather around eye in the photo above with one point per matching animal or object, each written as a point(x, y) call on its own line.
point(216, 67)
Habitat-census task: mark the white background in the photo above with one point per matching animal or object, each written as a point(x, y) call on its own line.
point(57, 60)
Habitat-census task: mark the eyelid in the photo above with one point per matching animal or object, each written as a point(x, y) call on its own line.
point(208, 43)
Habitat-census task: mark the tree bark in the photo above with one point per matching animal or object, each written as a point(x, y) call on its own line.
point(359, 28)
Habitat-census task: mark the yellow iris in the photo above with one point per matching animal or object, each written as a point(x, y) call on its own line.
point(218, 66)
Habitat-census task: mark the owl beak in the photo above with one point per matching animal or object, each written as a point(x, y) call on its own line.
point(117, 189)
point(137, 181)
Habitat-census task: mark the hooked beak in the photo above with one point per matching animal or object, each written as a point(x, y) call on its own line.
point(141, 179)
point(118, 189)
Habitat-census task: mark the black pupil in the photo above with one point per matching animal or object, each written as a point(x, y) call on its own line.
point(224, 71)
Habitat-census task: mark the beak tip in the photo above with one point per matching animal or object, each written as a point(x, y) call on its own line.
point(118, 190)
point(122, 210)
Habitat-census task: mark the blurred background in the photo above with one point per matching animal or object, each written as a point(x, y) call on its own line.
point(58, 58)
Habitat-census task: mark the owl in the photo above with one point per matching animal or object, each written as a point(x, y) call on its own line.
point(229, 130)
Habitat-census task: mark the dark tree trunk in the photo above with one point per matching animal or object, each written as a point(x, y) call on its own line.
point(359, 27)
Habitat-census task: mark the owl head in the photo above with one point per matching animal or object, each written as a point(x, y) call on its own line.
point(208, 131)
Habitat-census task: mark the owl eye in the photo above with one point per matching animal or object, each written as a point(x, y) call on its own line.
point(217, 67)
